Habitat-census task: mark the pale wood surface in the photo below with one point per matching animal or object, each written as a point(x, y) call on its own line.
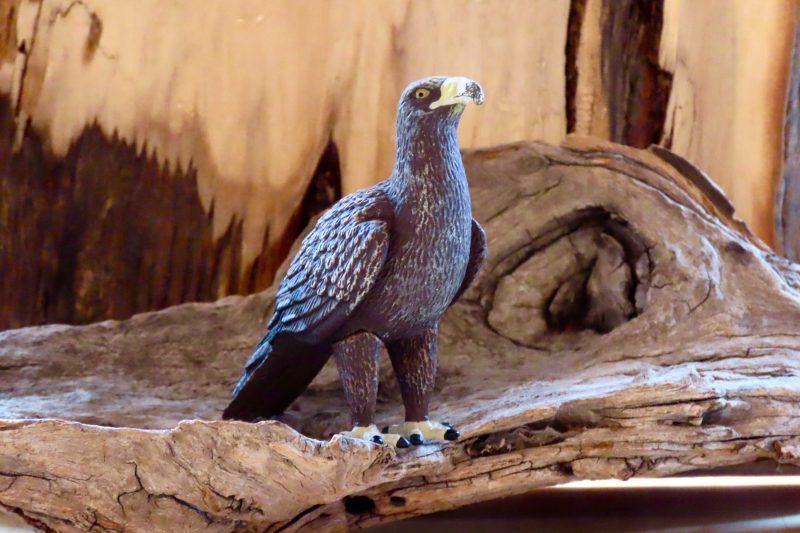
point(700, 369)
point(730, 61)
point(165, 118)
point(250, 93)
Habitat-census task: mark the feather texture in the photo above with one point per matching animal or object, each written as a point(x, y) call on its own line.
point(387, 260)
point(336, 265)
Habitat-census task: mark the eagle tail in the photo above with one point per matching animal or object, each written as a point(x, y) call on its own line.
point(274, 377)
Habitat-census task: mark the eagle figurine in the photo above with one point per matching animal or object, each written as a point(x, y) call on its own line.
point(375, 275)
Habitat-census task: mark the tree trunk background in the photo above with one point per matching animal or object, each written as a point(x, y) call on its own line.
point(626, 324)
point(163, 151)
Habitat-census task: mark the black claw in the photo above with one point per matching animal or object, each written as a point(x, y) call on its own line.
point(416, 439)
point(402, 442)
point(377, 439)
point(451, 434)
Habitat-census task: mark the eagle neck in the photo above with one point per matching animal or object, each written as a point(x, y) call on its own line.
point(429, 162)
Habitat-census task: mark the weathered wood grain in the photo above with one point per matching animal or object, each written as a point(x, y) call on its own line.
point(626, 325)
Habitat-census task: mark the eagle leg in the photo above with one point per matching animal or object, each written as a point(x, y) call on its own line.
point(357, 359)
point(414, 360)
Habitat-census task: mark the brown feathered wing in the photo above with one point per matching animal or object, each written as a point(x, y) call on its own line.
point(478, 251)
point(336, 266)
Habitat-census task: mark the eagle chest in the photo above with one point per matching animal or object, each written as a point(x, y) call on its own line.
point(433, 255)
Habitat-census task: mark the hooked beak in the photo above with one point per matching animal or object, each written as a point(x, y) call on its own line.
point(459, 91)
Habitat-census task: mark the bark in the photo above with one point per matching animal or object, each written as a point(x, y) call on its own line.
point(626, 324)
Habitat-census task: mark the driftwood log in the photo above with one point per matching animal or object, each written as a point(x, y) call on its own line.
point(626, 324)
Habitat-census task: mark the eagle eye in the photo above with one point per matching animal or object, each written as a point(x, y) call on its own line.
point(421, 93)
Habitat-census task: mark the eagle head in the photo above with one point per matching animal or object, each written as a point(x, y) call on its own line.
point(439, 97)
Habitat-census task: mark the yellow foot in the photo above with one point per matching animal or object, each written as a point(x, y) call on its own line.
point(371, 433)
point(425, 431)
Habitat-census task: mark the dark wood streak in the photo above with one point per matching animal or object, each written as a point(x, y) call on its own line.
point(577, 10)
point(787, 198)
point(104, 232)
point(636, 88)
point(107, 232)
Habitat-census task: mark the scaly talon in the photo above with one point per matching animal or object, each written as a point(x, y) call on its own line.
point(367, 433)
point(425, 431)
point(372, 434)
point(398, 441)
